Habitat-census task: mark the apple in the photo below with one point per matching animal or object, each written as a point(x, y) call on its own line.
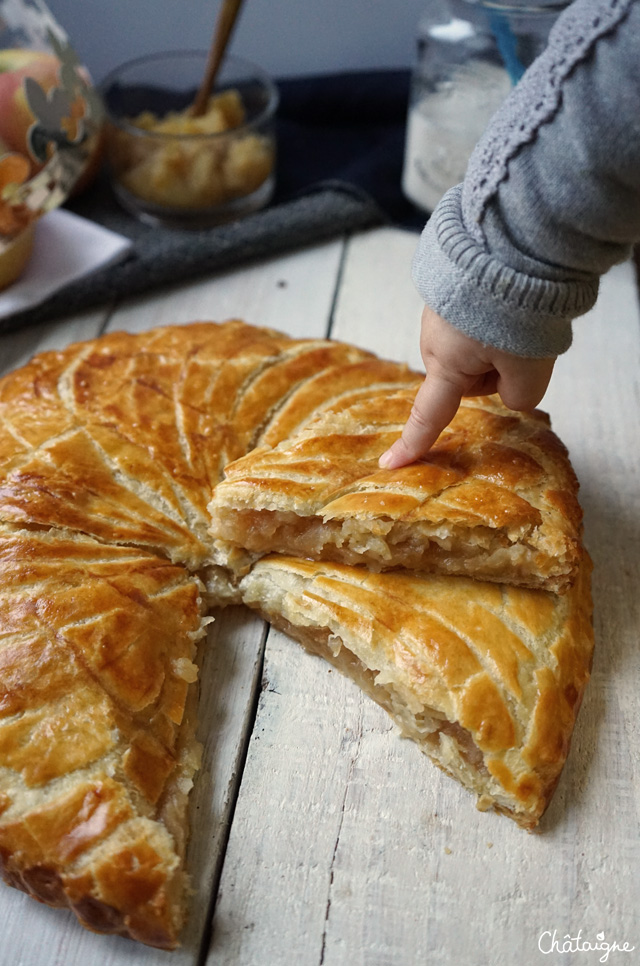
point(15, 114)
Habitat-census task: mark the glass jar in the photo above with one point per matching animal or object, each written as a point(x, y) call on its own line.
point(50, 126)
point(470, 54)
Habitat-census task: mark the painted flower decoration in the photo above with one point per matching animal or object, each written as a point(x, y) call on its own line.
point(63, 115)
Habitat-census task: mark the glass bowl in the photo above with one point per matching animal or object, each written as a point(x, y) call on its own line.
point(170, 169)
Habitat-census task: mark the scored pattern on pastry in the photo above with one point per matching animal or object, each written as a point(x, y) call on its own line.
point(126, 436)
point(486, 679)
point(110, 452)
point(97, 644)
point(494, 499)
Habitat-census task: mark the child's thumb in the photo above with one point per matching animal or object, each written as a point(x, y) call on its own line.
point(522, 382)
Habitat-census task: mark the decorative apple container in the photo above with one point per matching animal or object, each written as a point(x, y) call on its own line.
point(50, 125)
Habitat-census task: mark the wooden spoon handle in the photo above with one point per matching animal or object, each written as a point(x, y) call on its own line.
point(225, 23)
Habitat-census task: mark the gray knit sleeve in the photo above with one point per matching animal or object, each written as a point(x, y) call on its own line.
point(551, 199)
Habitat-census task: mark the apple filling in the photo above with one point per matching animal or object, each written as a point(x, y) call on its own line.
point(380, 544)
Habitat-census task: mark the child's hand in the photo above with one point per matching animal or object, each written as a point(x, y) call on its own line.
point(457, 366)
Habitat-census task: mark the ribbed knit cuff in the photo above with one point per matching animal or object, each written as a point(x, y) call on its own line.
point(488, 300)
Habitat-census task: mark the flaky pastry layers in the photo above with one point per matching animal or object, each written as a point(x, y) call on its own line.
point(495, 499)
point(487, 679)
point(109, 454)
point(97, 645)
point(124, 437)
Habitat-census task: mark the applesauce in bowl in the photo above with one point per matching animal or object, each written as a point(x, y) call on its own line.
point(170, 168)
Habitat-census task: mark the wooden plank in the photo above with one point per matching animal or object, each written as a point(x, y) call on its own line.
point(347, 846)
point(294, 294)
point(16, 348)
point(275, 884)
point(378, 307)
point(594, 402)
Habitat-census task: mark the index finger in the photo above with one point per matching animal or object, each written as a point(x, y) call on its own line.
point(434, 407)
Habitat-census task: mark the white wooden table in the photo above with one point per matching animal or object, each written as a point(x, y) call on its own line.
point(321, 837)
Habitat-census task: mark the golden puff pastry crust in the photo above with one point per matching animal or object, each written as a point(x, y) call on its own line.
point(110, 452)
point(486, 679)
point(494, 499)
point(124, 437)
point(97, 648)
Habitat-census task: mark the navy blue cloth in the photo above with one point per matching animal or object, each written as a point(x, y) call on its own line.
point(350, 128)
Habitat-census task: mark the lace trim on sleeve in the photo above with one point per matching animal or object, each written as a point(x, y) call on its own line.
point(536, 98)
